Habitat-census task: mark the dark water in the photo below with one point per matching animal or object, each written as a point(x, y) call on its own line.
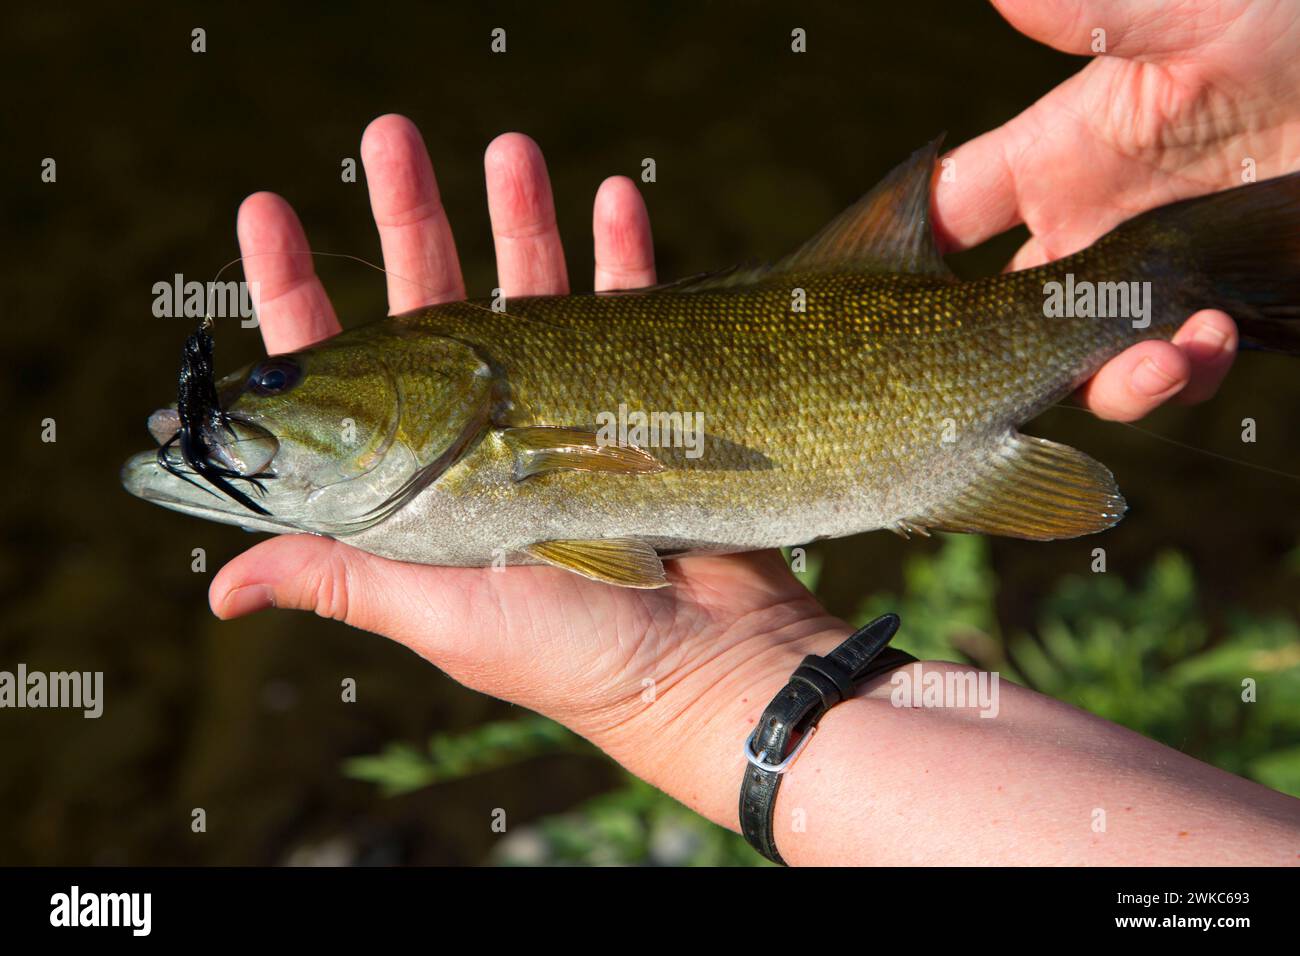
point(156, 146)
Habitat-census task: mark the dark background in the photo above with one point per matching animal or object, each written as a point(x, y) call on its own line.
point(755, 147)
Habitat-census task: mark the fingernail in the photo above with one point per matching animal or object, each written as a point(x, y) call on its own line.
point(1211, 337)
point(1151, 380)
point(246, 600)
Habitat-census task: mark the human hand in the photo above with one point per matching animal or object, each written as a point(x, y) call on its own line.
point(1184, 94)
point(617, 665)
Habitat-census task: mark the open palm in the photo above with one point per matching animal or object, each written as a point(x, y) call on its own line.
point(573, 648)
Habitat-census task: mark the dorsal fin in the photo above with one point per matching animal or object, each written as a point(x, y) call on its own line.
point(887, 230)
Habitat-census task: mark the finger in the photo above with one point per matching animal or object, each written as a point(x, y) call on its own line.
point(414, 232)
point(975, 193)
point(310, 573)
point(1032, 253)
point(1209, 340)
point(977, 198)
point(530, 260)
point(1130, 28)
point(292, 308)
point(620, 226)
point(1136, 381)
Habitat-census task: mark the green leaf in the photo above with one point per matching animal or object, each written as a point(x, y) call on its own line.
point(401, 768)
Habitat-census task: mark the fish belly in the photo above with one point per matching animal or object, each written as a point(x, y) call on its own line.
point(481, 516)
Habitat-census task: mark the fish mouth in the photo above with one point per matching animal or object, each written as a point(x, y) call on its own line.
point(241, 446)
point(162, 476)
point(143, 477)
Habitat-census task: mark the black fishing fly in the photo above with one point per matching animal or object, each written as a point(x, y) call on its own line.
point(202, 422)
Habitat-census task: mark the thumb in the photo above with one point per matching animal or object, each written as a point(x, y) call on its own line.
point(1126, 28)
point(978, 194)
point(311, 573)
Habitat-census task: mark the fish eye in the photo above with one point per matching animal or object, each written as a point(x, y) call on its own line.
point(275, 376)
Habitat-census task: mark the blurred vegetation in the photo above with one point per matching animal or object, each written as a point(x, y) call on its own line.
point(1141, 656)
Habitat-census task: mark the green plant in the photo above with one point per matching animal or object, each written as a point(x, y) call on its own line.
point(401, 768)
point(1140, 655)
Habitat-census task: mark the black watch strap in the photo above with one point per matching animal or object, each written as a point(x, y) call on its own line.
point(817, 685)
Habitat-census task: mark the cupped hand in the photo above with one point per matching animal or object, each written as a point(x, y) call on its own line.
point(609, 662)
point(1188, 95)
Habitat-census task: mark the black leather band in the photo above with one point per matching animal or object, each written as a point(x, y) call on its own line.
point(817, 685)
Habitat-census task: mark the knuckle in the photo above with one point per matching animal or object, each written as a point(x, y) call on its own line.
point(332, 589)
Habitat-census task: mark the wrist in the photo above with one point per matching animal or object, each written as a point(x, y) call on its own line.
point(686, 735)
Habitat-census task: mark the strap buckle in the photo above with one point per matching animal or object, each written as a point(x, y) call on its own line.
point(757, 758)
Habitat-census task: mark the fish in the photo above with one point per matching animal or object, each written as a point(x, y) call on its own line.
point(854, 385)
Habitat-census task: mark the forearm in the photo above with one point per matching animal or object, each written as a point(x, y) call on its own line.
point(1039, 783)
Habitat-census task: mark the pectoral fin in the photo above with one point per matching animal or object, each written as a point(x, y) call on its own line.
point(1030, 488)
point(627, 562)
point(542, 448)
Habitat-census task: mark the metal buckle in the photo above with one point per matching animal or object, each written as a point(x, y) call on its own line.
point(784, 765)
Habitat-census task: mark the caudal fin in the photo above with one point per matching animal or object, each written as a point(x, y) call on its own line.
point(1238, 251)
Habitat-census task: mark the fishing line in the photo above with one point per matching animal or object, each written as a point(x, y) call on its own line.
point(1186, 447)
point(328, 255)
point(379, 268)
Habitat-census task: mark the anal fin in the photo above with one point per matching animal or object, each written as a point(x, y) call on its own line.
point(1031, 488)
point(627, 562)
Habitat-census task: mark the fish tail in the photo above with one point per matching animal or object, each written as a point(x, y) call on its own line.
point(1238, 251)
